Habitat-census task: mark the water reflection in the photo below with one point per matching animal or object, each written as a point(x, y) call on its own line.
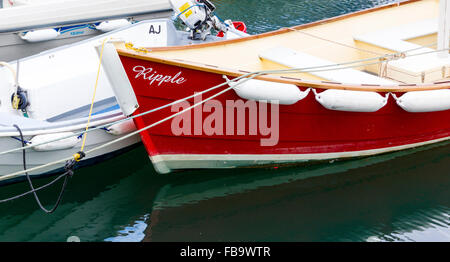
point(394, 197)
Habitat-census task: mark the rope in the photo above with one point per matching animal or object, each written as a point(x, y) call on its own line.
point(69, 172)
point(335, 42)
point(247, 77)
point(131, 47)
point(152, 110)
point(31, 191)
point(383, 69)
point(364, 50)
point(174, 115)
point(105, 126)
point(20, 140)
point(12, 175)
point(13, 71)
point(145, 128)
point(383, 58)
point(78, 155)
point(424, 46)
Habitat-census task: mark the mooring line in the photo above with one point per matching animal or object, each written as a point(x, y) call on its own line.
point(339, 66)
point(11, 175)
point(93, 96)
point(69, 172)
point(291, 70)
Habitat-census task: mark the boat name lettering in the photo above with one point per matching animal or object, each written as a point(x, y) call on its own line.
point(153, 31)
point(152, 76)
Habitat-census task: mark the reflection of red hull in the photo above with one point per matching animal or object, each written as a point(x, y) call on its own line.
point(307, 130)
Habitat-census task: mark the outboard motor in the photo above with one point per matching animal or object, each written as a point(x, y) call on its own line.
point(198, 16)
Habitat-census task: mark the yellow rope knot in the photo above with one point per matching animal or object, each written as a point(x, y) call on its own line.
point(78, 156)
point(131, 47)
point(16, 101)
point(399, 56)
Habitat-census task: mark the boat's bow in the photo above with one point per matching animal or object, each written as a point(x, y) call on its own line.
point(330, 89)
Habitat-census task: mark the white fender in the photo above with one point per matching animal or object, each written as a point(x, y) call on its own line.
point(107, 26)
point(285, 94)
point(122, 128)
point(351, 101)
point(425, 101)
point(66, 143)
point(40, 35)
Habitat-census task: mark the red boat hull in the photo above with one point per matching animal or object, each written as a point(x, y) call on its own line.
point(307, 130)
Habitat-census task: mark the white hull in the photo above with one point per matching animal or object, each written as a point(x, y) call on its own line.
point(13, 162)
point(61, 81)
point(60, 84)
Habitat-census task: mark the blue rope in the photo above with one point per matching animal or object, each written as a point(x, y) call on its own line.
point(18, 139)
point(104, 128)
point(220, 19)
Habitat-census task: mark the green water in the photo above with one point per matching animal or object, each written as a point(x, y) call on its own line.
point(402, 196)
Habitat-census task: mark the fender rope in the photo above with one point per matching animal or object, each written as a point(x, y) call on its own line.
point(247, 77)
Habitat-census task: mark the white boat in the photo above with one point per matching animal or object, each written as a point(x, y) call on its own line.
point(33, 26)
point(57, 87)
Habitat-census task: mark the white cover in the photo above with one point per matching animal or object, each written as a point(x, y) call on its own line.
point(189, 12)
point(425, 101)
point(73, 11)
point(351, 101)
point(259, 90)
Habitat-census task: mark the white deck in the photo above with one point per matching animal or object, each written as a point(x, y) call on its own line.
point(294, 59)
point(414, 69)
point(395, 38)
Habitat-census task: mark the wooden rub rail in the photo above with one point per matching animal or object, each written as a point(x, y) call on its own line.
point(292, 80)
